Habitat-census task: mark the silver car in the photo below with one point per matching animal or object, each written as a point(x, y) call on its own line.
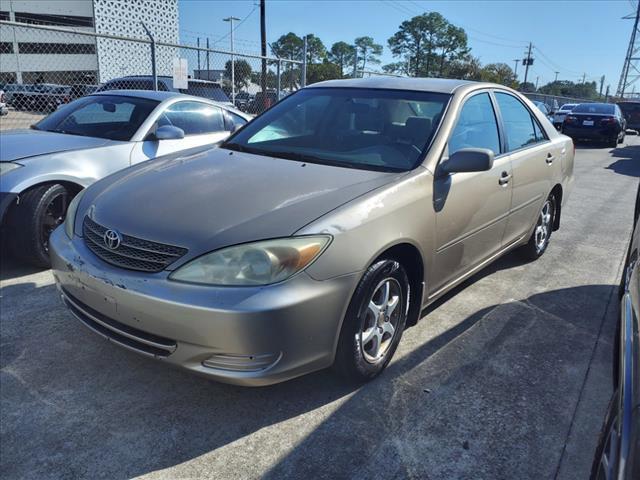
point(318, 231)
point(43, 168)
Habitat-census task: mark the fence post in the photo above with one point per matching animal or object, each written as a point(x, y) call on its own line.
point(208, 70)
point(278, 86)
point(199, 73)
point(154, 73)
point(303, 80)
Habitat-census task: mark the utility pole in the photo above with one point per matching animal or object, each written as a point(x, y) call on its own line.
point(517, 60)
point(584, 77)
point(537, 78)
point(556, 79)
point(527, 62)
point(606, 95)
point(263, 50)
point(601, 84)
point(233, 61)
point(631, 59)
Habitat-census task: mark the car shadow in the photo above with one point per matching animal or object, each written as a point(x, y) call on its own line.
point(11, 267)
point(628, 160)
point(75, 405)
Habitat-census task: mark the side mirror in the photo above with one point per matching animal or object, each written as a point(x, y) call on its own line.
point(169, 132)
point(469, 160)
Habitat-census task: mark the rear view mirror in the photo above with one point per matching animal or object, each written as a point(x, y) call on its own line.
point(109, 107)
point(169, 132)
point(469, 160)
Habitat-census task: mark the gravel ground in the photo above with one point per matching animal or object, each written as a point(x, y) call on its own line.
point(506, 377)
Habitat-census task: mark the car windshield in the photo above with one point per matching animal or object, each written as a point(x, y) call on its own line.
point(103, 116)
point(606, 108)
point(372, 129)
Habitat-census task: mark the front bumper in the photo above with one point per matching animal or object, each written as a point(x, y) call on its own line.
point(247, 336)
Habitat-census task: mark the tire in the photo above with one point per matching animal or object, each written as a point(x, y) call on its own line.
point(613, 142)
point(539, 240)
point(32, 220)
point(621, 139)
point(357, 357)
point(604, 443)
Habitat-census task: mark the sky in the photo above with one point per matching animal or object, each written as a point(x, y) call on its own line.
point(573, 37)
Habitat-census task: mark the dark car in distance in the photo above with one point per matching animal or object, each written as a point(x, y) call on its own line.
point(596, 121)
point(631, 111)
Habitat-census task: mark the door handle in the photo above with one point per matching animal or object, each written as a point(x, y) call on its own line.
point(504, 178)
point(550, 159)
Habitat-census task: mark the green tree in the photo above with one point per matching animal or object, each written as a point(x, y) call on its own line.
point(319, 72)
point(242, 73)
point(368, 51)
point(397, 68)
point(289, 46)
point(527, 87)
point(316, 51)
point(466, 68)
point(342, 54)
point(428, 41)
point(499, 73)
point(567, 88)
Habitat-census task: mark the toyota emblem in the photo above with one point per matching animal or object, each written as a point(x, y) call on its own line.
point(112, 239)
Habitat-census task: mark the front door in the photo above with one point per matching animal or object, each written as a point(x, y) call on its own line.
point(471, 208)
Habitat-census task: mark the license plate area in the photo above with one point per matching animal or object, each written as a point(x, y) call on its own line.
point(588, 123)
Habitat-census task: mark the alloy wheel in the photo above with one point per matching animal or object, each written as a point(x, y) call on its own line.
point(380, 320)
point(543, 226)
point(52, 217)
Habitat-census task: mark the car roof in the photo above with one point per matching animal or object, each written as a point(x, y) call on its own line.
point(148, 94)
point(439, 85)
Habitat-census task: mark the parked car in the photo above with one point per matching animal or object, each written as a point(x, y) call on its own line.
point(563, 111)
point(596, 121)
point(618, 452)
point(43, 168)
point(544, 109)
point(631, 111)
point(262, 101)
point(43, 98)
point(10, 89)
point(198, 88)
point(81, 90)
point(242, 100)
point(314, 234)
point(3, 104)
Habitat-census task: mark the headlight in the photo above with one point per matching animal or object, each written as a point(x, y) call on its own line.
point(70, 219)
point(259, 263)
point(6, 167)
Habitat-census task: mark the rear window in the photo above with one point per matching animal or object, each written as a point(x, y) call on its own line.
point(595, 108)
point(212, 92)
point(568, 106)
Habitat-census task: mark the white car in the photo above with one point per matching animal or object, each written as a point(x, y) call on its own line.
point(44, 167)
point(563, 111)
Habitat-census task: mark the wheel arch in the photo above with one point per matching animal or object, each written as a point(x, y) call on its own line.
point(556, 191)
point(73, 187)
point(411, 259)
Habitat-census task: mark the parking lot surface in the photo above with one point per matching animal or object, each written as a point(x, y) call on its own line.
point(506, 377)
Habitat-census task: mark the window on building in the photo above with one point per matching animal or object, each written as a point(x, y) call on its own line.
point(57, 48)
point(44, 19)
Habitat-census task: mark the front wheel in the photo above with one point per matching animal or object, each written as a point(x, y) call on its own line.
point(374, 322)
point(39, 211)
point(539, 240)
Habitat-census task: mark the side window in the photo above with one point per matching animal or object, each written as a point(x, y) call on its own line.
point(519, 124)
point(476, 127)
point(540, 135)
point(194, 118)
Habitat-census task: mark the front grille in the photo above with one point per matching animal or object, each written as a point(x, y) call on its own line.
point(133, 253)
point(119, 332)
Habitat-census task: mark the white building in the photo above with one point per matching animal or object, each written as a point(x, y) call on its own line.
point(29, 55)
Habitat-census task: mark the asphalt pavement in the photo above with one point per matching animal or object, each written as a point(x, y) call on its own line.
point(507, 377)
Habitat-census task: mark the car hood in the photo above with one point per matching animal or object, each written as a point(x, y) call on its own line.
point(22, 144)
point(216, 198)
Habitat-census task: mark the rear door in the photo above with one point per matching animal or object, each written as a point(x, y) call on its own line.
point(471, 208)
point(533, 158)
point(202, 123)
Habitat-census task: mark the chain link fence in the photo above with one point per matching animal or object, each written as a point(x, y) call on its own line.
point(43, 67)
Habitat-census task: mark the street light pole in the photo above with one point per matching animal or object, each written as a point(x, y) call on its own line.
point(233, 61)
point(515, 72)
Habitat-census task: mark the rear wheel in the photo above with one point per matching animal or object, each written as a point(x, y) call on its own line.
point(38, 212)
point(374, 322)
point(539, 240)
point(613, 142)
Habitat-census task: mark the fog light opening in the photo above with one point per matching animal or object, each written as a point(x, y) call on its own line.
point(242, 363)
